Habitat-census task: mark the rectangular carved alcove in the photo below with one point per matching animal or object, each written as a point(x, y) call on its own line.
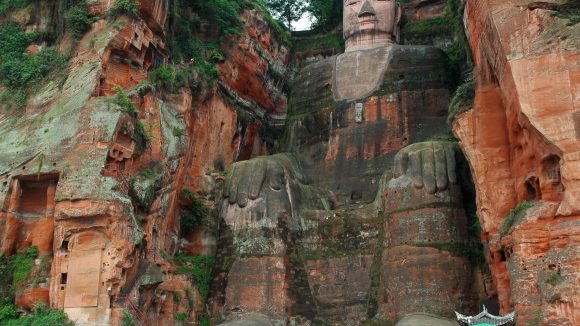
point(34, 196)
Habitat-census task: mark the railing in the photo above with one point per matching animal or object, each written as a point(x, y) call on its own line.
point(124, 300)
point(142, 319)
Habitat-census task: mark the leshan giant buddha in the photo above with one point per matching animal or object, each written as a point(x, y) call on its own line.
point(358, 219)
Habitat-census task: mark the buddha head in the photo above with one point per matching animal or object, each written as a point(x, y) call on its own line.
point(370, 23)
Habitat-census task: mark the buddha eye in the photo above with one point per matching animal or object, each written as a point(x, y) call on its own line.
point(352, 2)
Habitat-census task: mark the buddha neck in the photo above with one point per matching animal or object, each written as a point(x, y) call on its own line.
point(366, 41)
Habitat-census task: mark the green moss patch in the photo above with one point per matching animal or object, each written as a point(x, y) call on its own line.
point(515, 216)
point(328, 43)
point(194, 213)
point(462, 100)
point(199, 267)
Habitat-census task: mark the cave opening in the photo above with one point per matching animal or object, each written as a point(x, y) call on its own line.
point(532, 189)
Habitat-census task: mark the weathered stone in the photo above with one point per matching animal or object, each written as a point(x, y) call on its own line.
point(279, 206)
point(521, 144)
point(419, 319)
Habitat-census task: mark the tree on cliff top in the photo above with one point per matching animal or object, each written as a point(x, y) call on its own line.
point(327, 13)
point(287, 11)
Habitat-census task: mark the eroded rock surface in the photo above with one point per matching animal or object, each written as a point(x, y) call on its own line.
point(522, 145)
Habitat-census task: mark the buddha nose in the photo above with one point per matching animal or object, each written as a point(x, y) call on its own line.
point(367, 10)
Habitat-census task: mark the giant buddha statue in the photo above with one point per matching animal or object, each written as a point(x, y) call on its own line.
point(359, 218)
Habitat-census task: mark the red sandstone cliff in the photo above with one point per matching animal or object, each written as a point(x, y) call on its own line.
point(109, 179)
point(521, 139)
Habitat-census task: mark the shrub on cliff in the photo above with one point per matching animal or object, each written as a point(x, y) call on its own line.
point(7, 5)
point(41, 315)
point(78, 20)
point(201, 57)
point(125, 7)
point(193, 213)
point(462, 99)
point(128, 319)
point(199, 267)
point(327, 14)
point(123, 100)
point(514, 217)
point(20, 70)
point(225, 14)
point(6, 290)
point(23, 263)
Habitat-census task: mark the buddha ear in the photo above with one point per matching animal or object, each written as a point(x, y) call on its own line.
point(397, 29)
point(398, 14)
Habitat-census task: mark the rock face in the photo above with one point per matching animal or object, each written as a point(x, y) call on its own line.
point(521, 140)
point(96, 186)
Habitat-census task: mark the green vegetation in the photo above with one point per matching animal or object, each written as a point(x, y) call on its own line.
point(19, 70)
point(281, 31)
point(327, 14)
point(128, 319)
point(22, 70)
point(181, 316)
point(125, 7)
point(141, 219)
point(194, 213)
point(514, 216)
point(41, 315)
point(429, 27)
point(6, 291)
point(200, 59)
point(199, 267)
point(78, 20)
point(450, 25)
point(23, 264)
point(7, 312)
point(569, 10)
point(223, 14)
point(8, 5)
point(287, 11)
point(204, 321)
point(13, 99)
point(145, 130)
point(123, 100)
point(554, 277)
point(42, 273)
point(462, 99)
point(538, 317)
point(177, 132)
point(333, 41)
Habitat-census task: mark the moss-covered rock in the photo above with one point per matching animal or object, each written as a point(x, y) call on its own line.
point(143, 187)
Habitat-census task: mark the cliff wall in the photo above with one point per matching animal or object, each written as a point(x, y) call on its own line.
point(99, 172)
point(521, 139)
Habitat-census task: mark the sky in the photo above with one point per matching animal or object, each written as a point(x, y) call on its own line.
point(302, 24)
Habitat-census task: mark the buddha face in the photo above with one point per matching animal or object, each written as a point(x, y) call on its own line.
point(370, 23)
